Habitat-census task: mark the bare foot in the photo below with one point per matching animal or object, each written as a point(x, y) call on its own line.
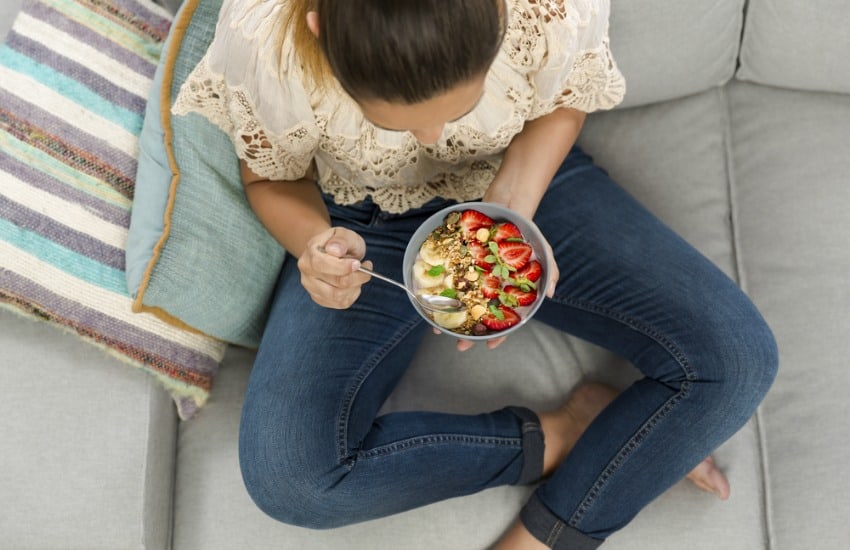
point(708, 477)
point(562, 427)
point(518, 538)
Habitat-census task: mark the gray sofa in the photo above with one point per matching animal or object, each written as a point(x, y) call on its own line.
point(736, 131)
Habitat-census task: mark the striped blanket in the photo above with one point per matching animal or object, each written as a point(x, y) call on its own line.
point(74, 78)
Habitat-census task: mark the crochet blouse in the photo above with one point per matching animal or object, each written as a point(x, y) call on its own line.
point(555, 54)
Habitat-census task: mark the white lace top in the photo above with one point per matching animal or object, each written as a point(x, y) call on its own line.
point(555, 54)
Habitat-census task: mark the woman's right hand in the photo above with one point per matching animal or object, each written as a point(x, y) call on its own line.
point(329, 267)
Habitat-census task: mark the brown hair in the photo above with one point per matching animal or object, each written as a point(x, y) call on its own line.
point(397, 50)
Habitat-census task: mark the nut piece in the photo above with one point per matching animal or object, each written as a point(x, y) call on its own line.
point(483, 234)
point(477, 311)
point(472, 274)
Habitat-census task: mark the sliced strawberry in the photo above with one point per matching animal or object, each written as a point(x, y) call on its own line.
point(515, 255)
point(490, 286)
point(523, 297)
point(473, 220)
point(532, 271)
point(500, 318)
point(504, 231)
point(479, 252)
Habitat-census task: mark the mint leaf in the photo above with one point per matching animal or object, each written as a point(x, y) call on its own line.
point(523, 283)
point(508, 299)
point(490, 259)
point(497, 313)
point(494, 248)
point(449, 293)
point(436, 270)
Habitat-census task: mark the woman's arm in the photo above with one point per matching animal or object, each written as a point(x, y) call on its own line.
point(294, 213)
point(532, 159)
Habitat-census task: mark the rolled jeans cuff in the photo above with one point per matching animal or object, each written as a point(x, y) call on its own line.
point(532, 446)
point(551, 530)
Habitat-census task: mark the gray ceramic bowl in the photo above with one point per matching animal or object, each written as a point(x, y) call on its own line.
point(499, 213)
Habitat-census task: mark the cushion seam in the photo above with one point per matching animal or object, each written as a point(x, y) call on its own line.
point(179, 28)
point(740, 273)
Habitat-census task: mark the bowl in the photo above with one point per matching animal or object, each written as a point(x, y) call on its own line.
point(531, 234)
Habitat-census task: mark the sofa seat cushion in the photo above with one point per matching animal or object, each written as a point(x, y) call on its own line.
point(213, 510)
point(88, 445)
point(792, 196)
point(673, 157)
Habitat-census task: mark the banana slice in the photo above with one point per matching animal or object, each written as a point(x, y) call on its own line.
point(449, 281)
point(423, 279)
point(450, 320)
point(430, 255)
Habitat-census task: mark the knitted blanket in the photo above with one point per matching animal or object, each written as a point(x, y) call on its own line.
point(74, 78)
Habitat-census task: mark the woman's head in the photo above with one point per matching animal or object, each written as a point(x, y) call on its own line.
point(391, 54)
point(408, 51)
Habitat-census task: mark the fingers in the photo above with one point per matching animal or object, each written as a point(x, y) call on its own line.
point(329, 268)
point(553, 271)
point(553, 280)
point(496, 342)
point(464, 345)
point(344, 243)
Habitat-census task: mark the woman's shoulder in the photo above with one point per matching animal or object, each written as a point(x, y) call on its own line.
point(546, 31)
point(548, 11)
point(254, 28)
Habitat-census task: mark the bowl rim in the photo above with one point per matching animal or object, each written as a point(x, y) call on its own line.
point(503, 213)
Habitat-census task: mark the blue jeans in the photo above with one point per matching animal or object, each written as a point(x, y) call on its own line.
point(315, 453)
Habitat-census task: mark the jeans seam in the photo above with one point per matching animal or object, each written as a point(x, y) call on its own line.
point(635, 324)
point(690, 376)
point(634, 442)
point(437, 439)
point(343, 455)
point(554, 534)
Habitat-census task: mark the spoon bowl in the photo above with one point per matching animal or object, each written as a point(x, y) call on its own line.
point(431, 302)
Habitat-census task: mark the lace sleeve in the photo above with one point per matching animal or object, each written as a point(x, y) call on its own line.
point(578, 69)
point(278, 137)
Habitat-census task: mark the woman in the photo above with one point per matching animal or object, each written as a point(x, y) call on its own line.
point(357, 119)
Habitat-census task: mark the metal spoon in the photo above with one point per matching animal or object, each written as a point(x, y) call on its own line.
point(431, 302)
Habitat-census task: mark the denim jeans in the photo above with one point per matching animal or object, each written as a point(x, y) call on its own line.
point(315, 453)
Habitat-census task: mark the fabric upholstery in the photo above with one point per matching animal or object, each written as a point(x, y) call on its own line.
point(669, 49)
point(792, 181)
point(88, 445)
point(800, 45)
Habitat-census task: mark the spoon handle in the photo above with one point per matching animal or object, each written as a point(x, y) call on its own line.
point(377, 275)
point(386, 279)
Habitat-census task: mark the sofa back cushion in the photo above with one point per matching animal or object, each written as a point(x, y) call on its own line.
point(673, 49)
point(794, 44)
